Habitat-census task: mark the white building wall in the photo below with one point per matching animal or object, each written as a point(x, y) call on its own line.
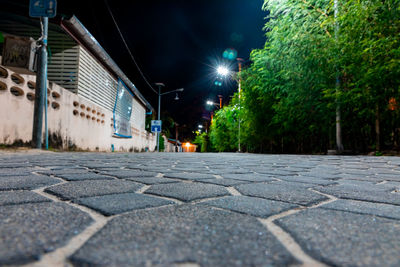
point(72, 119)
point(95, 83)
point(138, 119)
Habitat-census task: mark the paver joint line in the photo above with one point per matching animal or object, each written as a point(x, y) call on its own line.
point(59, 256)
point(233, 191)
point(287, 240)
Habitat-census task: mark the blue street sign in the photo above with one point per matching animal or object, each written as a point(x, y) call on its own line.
point(42, 8)
point(156, 129)
point(156, 126)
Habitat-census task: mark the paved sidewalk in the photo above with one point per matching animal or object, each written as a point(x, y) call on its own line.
point(84, 209)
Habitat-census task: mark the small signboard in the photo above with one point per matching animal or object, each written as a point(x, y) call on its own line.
point(18, 52)
point(42, 8)
point(156, 126)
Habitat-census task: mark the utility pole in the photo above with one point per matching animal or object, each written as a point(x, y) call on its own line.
point(159, 85)
point(176, 137)
point(41, 89)
point(44, 10)
point(339, 143)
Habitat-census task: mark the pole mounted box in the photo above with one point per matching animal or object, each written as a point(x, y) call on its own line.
point(19, 52)
point(42, 8)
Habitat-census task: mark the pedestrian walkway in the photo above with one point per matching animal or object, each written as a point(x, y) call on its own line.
point(192, 209)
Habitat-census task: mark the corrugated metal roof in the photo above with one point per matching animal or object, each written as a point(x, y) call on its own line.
point(82, 35)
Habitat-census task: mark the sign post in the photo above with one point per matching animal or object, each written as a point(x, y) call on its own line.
point(156, 128)
point(44, 9)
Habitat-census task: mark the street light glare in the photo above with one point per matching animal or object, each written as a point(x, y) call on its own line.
point(222, 70)
point(209, 102)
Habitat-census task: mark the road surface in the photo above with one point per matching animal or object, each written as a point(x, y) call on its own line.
point(167, 209)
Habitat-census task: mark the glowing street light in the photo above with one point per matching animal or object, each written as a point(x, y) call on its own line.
point(222, 70)
point(210, 102)
point(200, 126)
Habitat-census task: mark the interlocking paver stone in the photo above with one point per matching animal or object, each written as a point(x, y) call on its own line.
point(16, 172)
point(224, 182)
point(84, 176)
point(187, 191)
point(190, 169)
point(153, 180)
point(346, 239)
point(156, 169)
point(378, 209)
point(63, 171)
point(233, 170)
point(19, 197)
point(371, 192)
point(250, 205)
point(189, 176)
point(251, 177)
point(26, 182)
point(15, 165)
point(307, 179)
point(28, 231)
point(183, 234)
point(322, 174)
point(90, 188)
point(277, 173)
point(119, 203)
point(389, 177)
point(286, 192)
point(129, 173)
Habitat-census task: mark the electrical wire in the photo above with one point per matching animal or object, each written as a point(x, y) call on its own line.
point(127, 47)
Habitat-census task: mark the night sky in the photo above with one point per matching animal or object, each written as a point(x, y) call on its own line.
point(178, 43)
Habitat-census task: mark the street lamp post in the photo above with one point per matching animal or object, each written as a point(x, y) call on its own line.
point(339, 143)
point(160, 85)
point(239, 60)
point(224, 71)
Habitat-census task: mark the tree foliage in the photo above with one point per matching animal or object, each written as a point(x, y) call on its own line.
point(224, 128)
point(290, 91)
point(202, 140)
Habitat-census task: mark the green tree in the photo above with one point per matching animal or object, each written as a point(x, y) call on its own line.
point(162, 145)
point(202, 140)
point(224, 128)
point(290, 94)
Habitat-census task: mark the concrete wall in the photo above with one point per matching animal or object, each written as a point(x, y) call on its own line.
point(73, 121)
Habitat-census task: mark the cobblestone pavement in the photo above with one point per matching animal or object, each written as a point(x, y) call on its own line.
point(84, 209)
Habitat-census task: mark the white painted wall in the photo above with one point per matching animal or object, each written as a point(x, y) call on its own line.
point(76, 121)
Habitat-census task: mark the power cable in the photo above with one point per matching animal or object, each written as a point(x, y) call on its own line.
point(127, 47)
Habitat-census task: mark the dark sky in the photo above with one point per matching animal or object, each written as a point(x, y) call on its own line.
point(177, 43)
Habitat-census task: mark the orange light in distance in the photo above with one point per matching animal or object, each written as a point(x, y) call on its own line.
point(392, 104)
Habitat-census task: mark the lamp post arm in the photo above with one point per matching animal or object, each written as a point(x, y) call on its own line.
point(177, 90)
